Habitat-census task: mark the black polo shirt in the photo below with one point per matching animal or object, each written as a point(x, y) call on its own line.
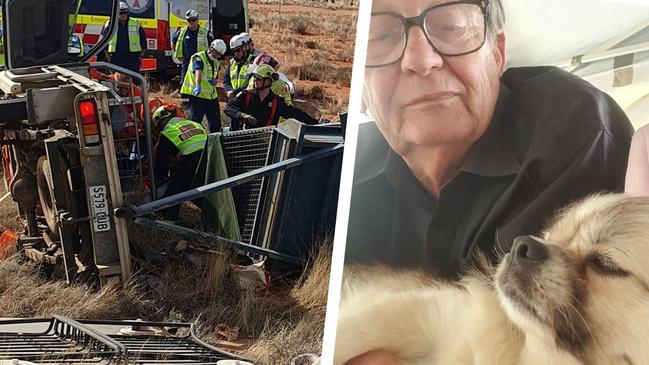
point(553, 139)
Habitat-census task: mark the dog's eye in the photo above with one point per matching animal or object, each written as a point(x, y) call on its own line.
point(606, 266)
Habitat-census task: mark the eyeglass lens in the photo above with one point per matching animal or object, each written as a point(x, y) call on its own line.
point(453, 30)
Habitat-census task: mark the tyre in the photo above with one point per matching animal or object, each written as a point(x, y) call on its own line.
point(46, 193)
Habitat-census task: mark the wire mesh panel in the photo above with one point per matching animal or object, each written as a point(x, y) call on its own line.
point(66, 341)
point(166, 350)
point(245, 151)
point(61, 342)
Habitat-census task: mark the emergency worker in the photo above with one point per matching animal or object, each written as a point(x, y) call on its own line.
point(235, 77)
point(282, 86)
point(200, 85)
point(188, 40)
point(261, 107)
point(178, 138)
point(250, 45)
point(126, 47)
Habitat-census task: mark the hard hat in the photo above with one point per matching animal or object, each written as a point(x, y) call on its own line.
point(191, 13)
point(266, 59)
point(219, 46)
point(236, 41)
point(123, 6)
point(291, 86)
point(161, 113)
point(245, 37)
point(264, 71)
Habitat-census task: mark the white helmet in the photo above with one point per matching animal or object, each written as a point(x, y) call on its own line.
point(191, 13)
point(219, 46)
point(245, 37)
point(123, 6)
point(236, 41)
point(291, 86)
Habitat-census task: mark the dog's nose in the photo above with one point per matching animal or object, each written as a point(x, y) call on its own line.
point(527, 247)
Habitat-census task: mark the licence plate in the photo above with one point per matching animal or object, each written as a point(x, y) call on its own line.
point(99, 206)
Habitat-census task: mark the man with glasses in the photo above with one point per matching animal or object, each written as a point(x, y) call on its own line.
point(188, 40)
point(236, 76)
point(126, 47)
point(465, 155)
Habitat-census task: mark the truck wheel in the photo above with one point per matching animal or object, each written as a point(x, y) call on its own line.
point(46, 193)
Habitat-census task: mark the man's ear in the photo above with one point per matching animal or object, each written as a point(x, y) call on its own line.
point(500, 51)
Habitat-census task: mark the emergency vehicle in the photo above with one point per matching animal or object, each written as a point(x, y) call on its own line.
point(160, 20)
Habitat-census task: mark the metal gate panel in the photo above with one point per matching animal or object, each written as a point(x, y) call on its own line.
point(245, 151)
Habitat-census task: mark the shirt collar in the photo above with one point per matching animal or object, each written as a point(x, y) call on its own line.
point(402, 179)
point(491, 155)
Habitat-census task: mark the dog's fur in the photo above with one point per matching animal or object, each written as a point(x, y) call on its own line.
point(587, 302)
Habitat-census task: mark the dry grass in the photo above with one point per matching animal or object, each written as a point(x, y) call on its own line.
point(303, 330)
point(320, 72)
point(331, 4)
point(313, 47)
point(24, 293)
point(285, 321)
point(303, 24)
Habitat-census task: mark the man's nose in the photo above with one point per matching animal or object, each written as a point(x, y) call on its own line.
point(419, 56)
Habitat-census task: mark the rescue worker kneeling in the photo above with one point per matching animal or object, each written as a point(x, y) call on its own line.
point(181, 138)
point(200, 85)
point(261, 107)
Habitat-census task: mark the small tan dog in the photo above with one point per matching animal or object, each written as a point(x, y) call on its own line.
point(580, 296)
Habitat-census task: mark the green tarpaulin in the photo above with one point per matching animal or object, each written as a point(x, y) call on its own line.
point(219, 215)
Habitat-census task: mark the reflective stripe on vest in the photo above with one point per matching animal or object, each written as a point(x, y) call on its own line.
point(201, 41)
point(133, 37)
point(239, 73)
point(186, 135)
point(208, 91)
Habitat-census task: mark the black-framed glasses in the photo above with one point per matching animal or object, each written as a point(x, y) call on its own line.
point(123, 12)
point(453, 29)
point(191, 20)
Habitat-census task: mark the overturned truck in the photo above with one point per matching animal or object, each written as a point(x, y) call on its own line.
point(77, 154)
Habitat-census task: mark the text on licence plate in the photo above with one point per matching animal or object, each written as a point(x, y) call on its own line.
point(99, 205)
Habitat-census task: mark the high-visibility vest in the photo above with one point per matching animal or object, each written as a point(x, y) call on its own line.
point(208, 91)
point(133, 37)
point(239, 73)
point(201, 41)
point(2, 55)
point(186, 135)
point(278, 87)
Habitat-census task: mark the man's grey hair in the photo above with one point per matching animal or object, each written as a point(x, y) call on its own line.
point(496, 17)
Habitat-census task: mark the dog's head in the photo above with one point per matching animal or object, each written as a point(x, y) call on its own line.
point(585, 284)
